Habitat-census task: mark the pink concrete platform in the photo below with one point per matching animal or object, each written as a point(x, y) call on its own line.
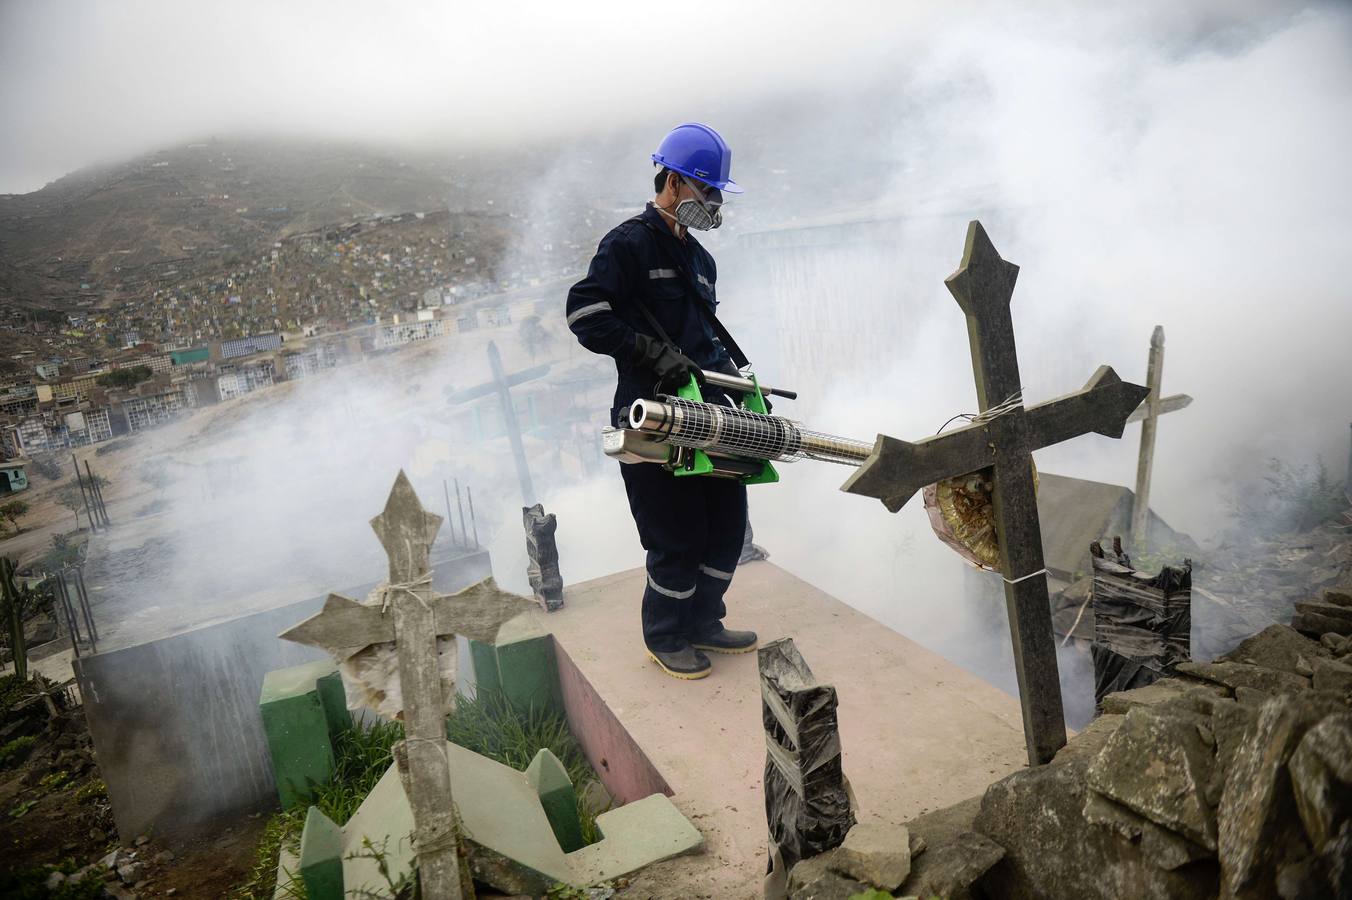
point(918, 732)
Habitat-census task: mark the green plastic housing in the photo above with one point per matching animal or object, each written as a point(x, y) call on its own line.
point(699, 463)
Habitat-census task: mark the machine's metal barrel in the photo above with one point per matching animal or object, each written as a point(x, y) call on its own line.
point(737, 383)
point(707, 426)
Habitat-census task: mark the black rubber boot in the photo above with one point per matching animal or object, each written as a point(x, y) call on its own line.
point(686, 663)
point(725, 641)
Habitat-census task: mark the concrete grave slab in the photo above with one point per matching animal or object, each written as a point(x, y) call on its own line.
point(918, 732)
point(635, 835)
point(514, 848)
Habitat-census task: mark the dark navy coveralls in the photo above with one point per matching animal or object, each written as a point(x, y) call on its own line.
point(692, 527)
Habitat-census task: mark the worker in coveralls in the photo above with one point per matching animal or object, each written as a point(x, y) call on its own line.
point(648, 302)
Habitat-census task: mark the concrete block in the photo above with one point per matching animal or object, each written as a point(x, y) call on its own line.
point(558, 799)
point(512, 846)
point(636, 835)
point(288, 871)
point(522, 665)
point(321, 857)
point(386, 820)
point(297, 728)
point(182, 760)
point(334, 700)
point(485, 659)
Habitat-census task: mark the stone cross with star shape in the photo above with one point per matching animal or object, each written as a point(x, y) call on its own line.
point(414, 616)
point(1002, 440)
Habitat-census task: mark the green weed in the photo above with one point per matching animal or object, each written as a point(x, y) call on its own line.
point(16, 751)
point(362, 754)
point(91, 790)
point(20, 810)
point(282, 830)
point(54, 780)
point(490, 725)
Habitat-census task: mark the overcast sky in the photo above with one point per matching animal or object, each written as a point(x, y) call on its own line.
point(87, 82)
point(1148, 163)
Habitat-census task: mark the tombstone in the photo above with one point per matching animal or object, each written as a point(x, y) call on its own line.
point(1142, 623)
point(1000, 441)
point(415, 621)
point(542, 557)
point(807, 801)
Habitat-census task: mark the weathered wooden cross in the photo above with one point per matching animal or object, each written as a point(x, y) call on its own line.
point(1002, 440)
point(413, 617)
point(502, 385)
point(1148, 413)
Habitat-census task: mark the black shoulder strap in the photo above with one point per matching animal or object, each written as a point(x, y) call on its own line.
point(724, 336)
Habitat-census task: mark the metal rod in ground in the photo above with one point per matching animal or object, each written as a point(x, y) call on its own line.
point(94, 492)
point(469, 494)
point(88, 610)
point(63, 597)
point(77, 634)
point(98, 495)
point(85, 615)
point(464, 533)
point(93, 526)
point(450, 522)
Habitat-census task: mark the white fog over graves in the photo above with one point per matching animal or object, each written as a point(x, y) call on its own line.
point(1149, 166)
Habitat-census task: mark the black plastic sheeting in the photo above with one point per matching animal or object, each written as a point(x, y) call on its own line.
point(807, 802)
point(1142, 623)
point(542, 556)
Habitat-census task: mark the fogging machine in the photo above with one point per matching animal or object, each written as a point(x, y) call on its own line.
point(691, 436)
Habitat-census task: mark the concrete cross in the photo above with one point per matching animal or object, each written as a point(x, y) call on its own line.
point(413, 618)
point(1148, 413)
point(502, 385)
point(1002, 439)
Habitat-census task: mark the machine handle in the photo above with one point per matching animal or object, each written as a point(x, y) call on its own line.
point(738, 383)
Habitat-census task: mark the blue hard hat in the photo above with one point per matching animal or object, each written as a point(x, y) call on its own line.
point(697, 151)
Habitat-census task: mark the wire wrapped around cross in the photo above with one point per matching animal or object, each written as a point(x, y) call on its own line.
point(961, 510)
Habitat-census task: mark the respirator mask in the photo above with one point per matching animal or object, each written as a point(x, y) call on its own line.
point(702, 212)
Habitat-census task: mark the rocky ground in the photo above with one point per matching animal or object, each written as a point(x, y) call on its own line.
point(1233, 779)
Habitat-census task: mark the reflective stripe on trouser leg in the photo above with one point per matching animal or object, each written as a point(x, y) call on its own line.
point(666, 600)
point(725, 514)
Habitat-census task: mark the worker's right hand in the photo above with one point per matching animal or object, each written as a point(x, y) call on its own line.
point(672, 367)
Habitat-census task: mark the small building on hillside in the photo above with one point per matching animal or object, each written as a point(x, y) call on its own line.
point(13, 476)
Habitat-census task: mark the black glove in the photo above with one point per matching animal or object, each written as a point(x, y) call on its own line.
point(769, 409)
point(672, 368)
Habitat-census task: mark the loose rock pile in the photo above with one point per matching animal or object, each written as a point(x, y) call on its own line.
point(1233, 779)
point(900, 858)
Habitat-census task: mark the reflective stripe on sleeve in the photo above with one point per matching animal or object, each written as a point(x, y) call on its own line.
point(585, 311)
point(661, 273)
